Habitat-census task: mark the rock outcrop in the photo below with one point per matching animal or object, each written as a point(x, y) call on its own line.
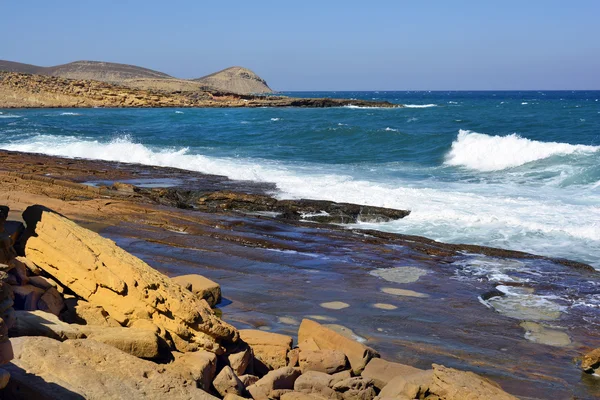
point(45, 368)
point(236, 80)
point(128, 289)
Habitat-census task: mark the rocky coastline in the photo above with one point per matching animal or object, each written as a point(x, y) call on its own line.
point(84, 318)
point(21, 90)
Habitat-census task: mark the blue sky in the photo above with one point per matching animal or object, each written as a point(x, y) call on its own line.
point(323, 45)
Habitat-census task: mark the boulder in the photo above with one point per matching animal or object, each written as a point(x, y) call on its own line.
point(248, 380)
point(327, 361)
point(19, 269)
point(591, 361)
point(227, 382)
point(452, 384)
point(137, 342)
point(31, 267)
point(128, 289)
point(49, 369)
point(240, 361)
point(293, 357)
point(269, 348)
point(381, 371)
point(198, 366)
point(51, 301)
point(40, 323)
point(201, 287)
point(27, 297)
point(326, 339)
point(356, 388)
point(338, 377)
point(274, 382)
point(41, 282)
point(407, 386)
point(316, 384)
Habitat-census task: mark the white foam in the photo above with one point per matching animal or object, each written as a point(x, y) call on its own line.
point(178, 112)
point(420, 105)
point(275, 119)
point(70, 113)
point(545, 220)
point(10, 116)
point(351, 106)
point(483, 152)
point(388, 129)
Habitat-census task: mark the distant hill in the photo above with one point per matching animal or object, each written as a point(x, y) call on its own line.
point(234, 80)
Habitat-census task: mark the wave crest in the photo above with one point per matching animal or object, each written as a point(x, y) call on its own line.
point(483, 152)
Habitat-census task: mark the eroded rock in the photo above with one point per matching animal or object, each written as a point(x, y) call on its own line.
point(127, 288)
point(269, 348)
point(201, 287)
point(452, 384)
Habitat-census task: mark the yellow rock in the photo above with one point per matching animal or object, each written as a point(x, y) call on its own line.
point(128, 289)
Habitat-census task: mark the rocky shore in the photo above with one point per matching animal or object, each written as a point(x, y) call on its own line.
point(19, 90)
point(83, 318)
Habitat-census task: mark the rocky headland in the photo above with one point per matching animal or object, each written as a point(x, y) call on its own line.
point(249, 296)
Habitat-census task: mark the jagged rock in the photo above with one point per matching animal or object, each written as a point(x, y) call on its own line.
point(75, 369)
point(293, 357)
point(279, 379)
point(381, 371)
point(201, 287)
point(452, 384)
point(127, 288)
point(591, 361)
point(240, 361)
point(269, 348)
point(228, 382)
point(51, 301)
point(358, 354)
point(327, 361)
point(199, 366)
point(308, 345)
point(316, 384)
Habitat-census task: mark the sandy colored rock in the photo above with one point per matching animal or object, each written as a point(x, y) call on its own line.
point(452, 384)
point(127, 288)
point(82, 312)
point(279, 379)
point(40, 323)
point(382, 371)
point(227, 382)
point(591, 361)
point(240, 361)
point(316, 384)
point(406, 386)
point(269, 348)
point(327, 361)
point(356, 388)
point(358, 354)
point(198, 366)
point(137, 342)
point(539, 333)
point(299, 396)
point(308, 345)
point(200, 286)
point(248, 379)
point(385, 306)
point(50, 369)
point(293, 357)
point(231, 396)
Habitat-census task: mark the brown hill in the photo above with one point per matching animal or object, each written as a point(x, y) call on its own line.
point(233, 80)
point(236, 80)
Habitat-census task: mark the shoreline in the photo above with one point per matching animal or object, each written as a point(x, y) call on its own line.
point(239, 249)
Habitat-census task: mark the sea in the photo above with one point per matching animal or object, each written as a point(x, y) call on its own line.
point(513, 170)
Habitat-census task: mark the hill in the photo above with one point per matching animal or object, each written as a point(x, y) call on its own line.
point(233, 80)
point(236, 80)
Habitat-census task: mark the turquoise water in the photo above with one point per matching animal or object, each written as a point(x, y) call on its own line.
point(517, 170)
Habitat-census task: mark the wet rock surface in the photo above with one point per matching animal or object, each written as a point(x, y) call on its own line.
point(269, 268)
